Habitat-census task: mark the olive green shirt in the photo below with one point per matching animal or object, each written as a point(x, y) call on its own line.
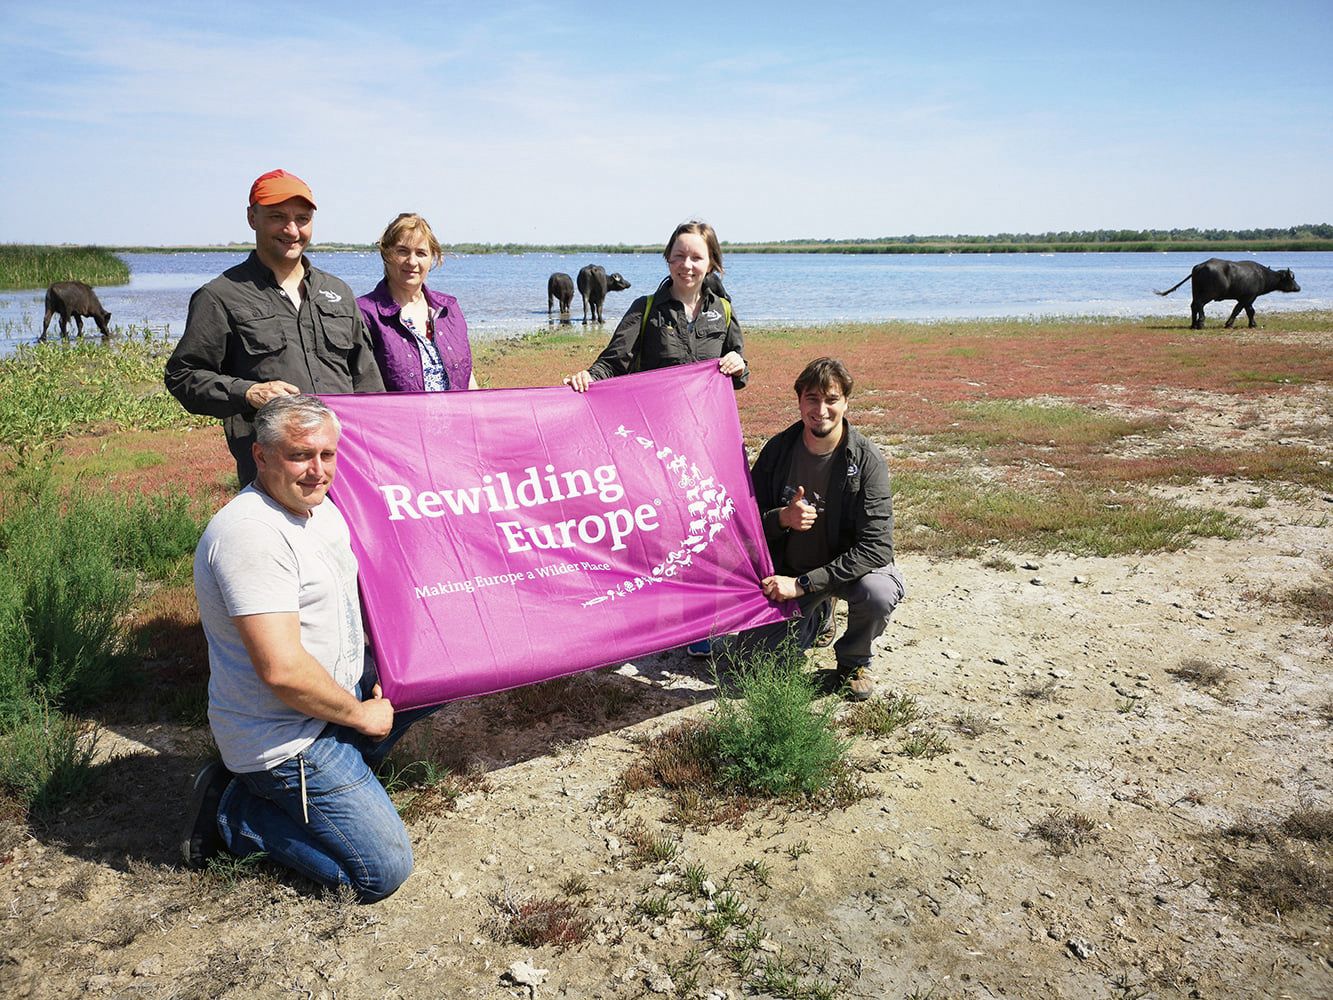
point(243, 329)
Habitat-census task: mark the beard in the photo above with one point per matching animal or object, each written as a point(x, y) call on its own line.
point(824, 433)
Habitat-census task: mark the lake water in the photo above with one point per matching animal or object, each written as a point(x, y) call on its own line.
point(505, 294)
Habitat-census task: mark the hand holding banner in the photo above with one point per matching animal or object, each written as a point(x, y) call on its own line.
point(511, 536)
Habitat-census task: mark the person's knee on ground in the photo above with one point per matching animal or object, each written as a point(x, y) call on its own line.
point(391, 868)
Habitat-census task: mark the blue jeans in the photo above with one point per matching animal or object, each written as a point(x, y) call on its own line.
point(353, 837)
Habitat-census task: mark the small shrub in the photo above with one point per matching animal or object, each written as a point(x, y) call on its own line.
point(1283, 878)
point(695, 876)
point(758, 870)
point(46, 758)
point(69, 566)
point(535, 921)
point(1201, 674)
point(925, 744)
point(1063, 831)
point(574, 885)
point(650, 848)
point(232, 871)
point(1290, 866)
point(972, 724)
point(1040, 690)
point(655, 907)
point(1314, 604)
point(880, 716)
point(438, 790)
point(774, 740)
point(798, 850)
point(1309, 823)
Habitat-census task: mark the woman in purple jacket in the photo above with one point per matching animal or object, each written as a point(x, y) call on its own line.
point(419, 335)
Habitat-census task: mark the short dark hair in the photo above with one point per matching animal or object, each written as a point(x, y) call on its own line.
point(281, 415)
point(823, 373)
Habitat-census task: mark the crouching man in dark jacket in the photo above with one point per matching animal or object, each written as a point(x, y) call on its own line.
point(823, 490)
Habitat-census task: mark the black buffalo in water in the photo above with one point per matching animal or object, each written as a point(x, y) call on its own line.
point(1242, 280)
point(594, 283)
point(559, 288)
point(74, 298)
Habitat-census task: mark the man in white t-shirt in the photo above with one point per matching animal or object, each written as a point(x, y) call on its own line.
point(292, 700)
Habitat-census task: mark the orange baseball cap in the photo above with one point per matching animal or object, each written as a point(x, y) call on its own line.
point(278, 185)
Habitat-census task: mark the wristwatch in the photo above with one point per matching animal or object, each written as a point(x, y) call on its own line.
point(803, 581)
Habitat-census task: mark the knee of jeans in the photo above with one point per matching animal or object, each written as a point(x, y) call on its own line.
point(389, 871)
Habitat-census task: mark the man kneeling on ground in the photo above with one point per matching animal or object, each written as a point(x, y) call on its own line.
point(823, 490)
point(292, 698)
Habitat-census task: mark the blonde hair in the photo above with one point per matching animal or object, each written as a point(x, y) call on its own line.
point(710, 240)
point(409, 224)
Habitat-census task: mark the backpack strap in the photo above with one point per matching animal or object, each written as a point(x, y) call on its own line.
point(637, 362)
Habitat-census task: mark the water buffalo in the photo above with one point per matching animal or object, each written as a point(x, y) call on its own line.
point(594, 283)
point(1242, 280)
point(74, 298)
point(559, 288)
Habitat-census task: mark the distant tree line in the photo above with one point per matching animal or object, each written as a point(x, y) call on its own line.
point(1312, 231)
point(1314, 236)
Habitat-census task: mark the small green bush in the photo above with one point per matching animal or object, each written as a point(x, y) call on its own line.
point(773, 738)
point(64, 602)
point(45, 758)
point(69, 566)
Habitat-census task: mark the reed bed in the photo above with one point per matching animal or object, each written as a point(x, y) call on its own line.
point(26, 266)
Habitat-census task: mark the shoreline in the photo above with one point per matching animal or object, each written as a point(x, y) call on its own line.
point(848, 248)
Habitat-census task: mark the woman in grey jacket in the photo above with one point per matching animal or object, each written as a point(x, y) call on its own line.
point(687, 319)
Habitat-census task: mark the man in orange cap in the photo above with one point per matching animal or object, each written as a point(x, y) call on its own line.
point(273, 325)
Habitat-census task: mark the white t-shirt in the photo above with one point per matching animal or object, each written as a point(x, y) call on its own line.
point(256, 557)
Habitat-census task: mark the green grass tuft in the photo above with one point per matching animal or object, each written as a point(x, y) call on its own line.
point(947, 516)
point(49, 390)
point(989, 422)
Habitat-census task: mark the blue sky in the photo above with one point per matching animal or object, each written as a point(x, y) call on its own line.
point(579, 122)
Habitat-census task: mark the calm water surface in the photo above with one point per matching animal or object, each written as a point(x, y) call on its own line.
point(505, 295)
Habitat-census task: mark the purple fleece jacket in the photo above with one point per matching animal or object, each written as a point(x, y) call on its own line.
point(396, 350)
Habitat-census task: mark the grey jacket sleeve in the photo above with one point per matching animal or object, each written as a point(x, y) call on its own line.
point(618, 357)
point(873, 545)
point(194, 370)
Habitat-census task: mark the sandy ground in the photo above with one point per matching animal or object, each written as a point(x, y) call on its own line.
point(933, 885)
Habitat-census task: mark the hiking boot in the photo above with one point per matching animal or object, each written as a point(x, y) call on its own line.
point(860, 683)
point(700, 650)
point(200, 838)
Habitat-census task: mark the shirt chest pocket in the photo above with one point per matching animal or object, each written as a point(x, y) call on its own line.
point(710, 326)
point(259, 331)
point(337, 324)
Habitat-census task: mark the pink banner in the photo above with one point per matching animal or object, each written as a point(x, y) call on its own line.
point(509, 536)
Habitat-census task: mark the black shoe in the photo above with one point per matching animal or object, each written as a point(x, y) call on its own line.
point(200, 838)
